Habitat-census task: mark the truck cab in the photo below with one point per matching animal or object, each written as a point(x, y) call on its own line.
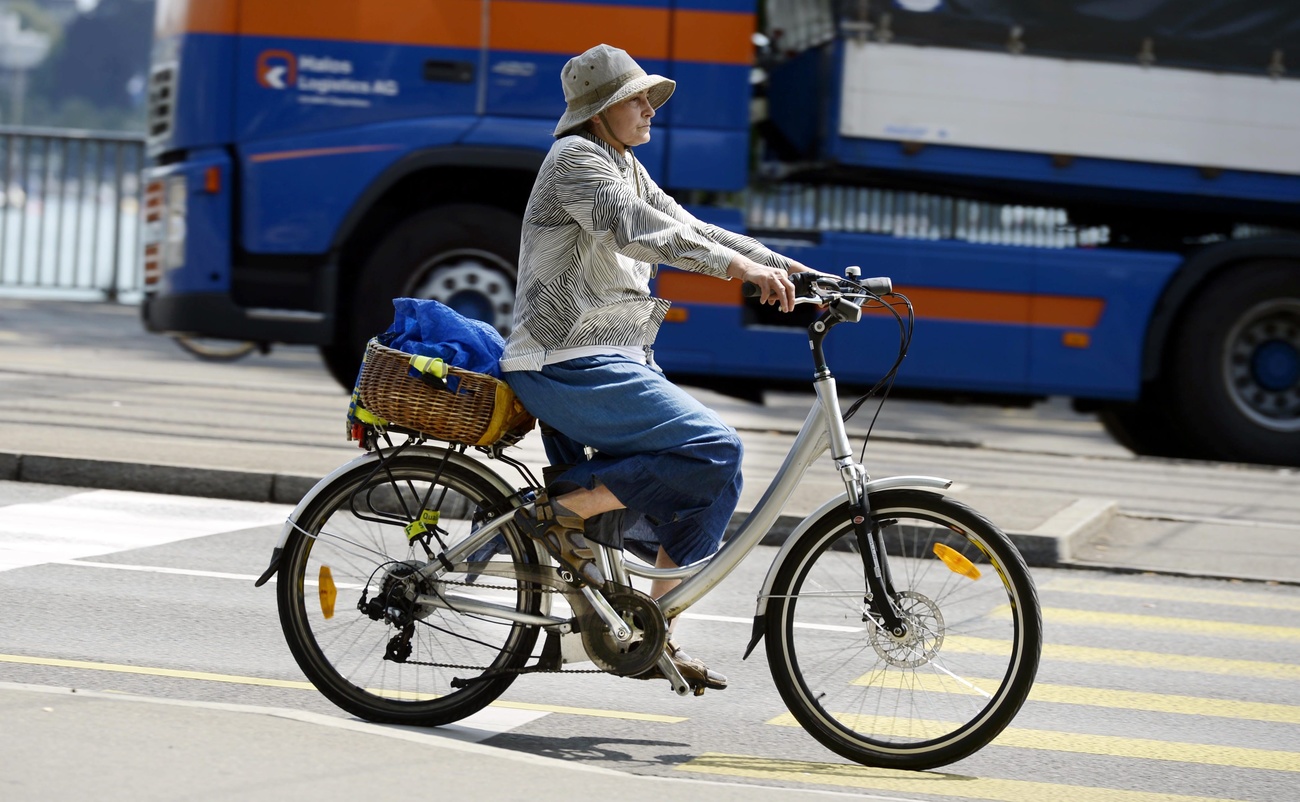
point(1081, 199)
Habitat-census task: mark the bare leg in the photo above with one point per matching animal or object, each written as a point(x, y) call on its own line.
point(661, 586)
point(585, 503)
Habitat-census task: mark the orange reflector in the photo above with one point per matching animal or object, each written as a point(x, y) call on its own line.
point(212, 180)
point(328, 593)
point(956, 562)
point(1076, 339)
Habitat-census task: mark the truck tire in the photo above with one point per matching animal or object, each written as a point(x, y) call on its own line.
point(1145, 426)
point(1235, 374)
point(464, 255)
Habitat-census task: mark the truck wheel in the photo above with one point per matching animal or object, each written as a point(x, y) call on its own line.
point(1236, 371)
point(464, 255)
point(1145, 427)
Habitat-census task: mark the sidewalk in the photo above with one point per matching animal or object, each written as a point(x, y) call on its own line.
point(69, 746)
point(95, 401)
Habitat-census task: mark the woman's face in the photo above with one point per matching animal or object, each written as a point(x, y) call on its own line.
point(629, 120)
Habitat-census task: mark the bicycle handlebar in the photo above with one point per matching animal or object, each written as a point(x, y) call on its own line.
point(821, 286)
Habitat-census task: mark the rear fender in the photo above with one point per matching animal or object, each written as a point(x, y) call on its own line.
point(371, 459)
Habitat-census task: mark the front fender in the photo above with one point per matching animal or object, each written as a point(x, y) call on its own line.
point(887, 483)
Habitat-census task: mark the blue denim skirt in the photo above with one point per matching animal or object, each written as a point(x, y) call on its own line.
point(662, 453)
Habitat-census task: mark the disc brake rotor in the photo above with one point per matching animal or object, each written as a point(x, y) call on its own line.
point(640, 652)
point(925, 628)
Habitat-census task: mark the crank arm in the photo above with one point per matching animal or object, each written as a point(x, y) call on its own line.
point(617, 626)
point(680, 686)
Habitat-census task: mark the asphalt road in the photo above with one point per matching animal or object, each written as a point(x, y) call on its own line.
point(1152, 688)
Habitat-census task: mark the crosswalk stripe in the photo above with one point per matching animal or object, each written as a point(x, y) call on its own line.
point(910, 782)
point(1191, 626)
point(1165, 703)
point(1080, 743)
point(1101, 697)
point(1128, 590)
point(1127, 658)
point(307, 686)
point(105, 521)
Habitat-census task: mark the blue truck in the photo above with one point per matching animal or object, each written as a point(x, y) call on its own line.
point(1096, 201)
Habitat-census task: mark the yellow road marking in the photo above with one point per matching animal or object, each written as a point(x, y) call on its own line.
point(307, 686)
point(1096, 697)
point(1191, 626)
point(910, 782)
point(1163, 703)
point(1233, 598)
point(1127, 658)
point(1078, 743)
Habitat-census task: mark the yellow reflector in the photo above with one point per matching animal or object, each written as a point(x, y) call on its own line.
point(328, 593)
point(956, 562)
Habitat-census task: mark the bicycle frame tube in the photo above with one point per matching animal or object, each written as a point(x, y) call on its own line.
point(809, 444)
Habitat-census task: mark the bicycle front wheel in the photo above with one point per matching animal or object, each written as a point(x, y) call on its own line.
point(350, 603)
point(958, 676)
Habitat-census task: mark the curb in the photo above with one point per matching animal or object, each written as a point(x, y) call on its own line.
point(1051, 544)
point(177, 480)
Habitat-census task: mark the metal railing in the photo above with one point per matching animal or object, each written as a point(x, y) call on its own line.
point(70, 211)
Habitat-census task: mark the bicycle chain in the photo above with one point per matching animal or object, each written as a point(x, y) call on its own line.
point(504, 671)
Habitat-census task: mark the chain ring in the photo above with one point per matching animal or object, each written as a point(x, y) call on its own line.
point(649, 635)
point(925, 627)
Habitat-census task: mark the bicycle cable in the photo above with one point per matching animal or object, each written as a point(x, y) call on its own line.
point(885, 384)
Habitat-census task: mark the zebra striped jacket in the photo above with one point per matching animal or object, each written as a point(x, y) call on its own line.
point(594, 231)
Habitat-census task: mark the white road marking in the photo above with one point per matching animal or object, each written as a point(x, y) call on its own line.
point(100, 522)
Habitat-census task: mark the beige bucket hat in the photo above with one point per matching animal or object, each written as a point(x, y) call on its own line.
point(601, 77)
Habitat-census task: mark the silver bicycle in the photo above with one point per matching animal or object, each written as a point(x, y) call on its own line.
point(902, 627)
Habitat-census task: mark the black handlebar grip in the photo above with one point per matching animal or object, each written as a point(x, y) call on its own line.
point(880, 285)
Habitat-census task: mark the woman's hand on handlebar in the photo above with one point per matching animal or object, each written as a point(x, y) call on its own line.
point(773, 283)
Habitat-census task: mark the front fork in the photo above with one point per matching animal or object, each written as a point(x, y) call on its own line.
point(875, 559)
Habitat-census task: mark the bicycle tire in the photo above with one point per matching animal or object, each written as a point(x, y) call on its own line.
point(355, 527)
point(967, 666)
point(210, 350)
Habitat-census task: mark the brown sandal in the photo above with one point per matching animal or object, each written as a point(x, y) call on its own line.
point(561, 536)
point(699, 676)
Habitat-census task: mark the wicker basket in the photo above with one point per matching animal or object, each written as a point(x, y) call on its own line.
point(477, 409)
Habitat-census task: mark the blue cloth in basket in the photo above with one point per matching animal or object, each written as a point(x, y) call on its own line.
point(429, 328)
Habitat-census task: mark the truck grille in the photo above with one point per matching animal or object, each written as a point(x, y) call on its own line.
point(162, 102)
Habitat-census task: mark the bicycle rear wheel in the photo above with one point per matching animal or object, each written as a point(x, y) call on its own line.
point(396, 660)
point(944, 690)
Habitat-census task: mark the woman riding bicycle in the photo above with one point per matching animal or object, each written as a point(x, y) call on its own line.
point(579, 354)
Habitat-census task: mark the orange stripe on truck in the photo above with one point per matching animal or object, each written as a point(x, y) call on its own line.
point(444, 23)
point(693, 288)
point(931, 303)
point(711, 37)
point(173, 17)
point(978, 306)
point(311, 153)
point(570, 28)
